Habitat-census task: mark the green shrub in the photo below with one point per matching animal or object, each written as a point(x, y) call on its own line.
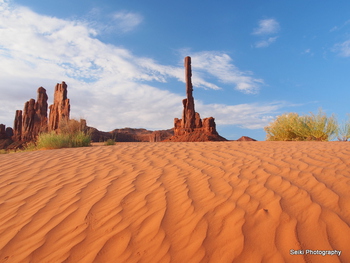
point(343, 133)
point(292, 127)
point(80, 139)
point(52, 140)
point(57, 141)
point(109, 142)
point(72, 133)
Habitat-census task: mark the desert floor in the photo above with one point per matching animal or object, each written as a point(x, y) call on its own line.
point(177, 202)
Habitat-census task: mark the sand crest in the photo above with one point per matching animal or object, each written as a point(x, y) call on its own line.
point(177, 202)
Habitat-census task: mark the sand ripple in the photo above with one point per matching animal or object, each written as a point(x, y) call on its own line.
point(176, 202)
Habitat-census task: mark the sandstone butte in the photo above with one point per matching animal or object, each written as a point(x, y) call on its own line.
point(191, 128)
point(34, 120)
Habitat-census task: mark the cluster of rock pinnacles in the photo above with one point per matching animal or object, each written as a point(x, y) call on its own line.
point(34, 118)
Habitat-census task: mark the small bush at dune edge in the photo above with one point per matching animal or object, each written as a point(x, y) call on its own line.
point(57, 141)
point(109, 142)
point(343, 133)
point(71, 135)
point(293, 127)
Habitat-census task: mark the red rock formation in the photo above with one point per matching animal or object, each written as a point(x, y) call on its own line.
point(130, 135)
point(17, 126)
point(158, 136)
point(246, 139)
point(40, 118)
point(59, 110)
point(28, 121)
point(191, 127)
point(189, 115)
point(3, 134)
point(33, 120)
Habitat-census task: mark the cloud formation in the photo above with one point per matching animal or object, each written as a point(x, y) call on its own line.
point(265, 42)
point(103, 79)
point(265, 29)
point(127, 21)
point(343, 49)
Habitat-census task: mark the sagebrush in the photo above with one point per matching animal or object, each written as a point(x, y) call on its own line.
point(312, 127)
point(72, 133)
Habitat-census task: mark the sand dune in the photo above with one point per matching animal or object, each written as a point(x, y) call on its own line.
point(177, 202)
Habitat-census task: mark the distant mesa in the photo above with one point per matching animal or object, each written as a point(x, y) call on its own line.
point(191, 128)
point(130, 135)
point(246, 139)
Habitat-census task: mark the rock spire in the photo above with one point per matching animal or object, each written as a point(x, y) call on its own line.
point(191, 127)
point(59, 110)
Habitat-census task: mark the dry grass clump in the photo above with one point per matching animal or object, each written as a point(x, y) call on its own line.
point(72, 133)
point(109, 142)
point(293, 127)
point(343, 133)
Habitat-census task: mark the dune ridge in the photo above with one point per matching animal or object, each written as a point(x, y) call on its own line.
point(176, 202)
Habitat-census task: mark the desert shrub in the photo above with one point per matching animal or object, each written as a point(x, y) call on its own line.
point(343, 133)
point(109, 142)
point(292, 127)
point(72, 126)
point(72, 133)
point(80, 139)
point(283, 128)
point(53, 140)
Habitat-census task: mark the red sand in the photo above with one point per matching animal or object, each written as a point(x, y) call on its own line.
point(177, 202)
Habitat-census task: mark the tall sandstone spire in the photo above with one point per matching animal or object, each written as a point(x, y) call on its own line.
point(59, 110)
point(188, 116)
point(191, 127)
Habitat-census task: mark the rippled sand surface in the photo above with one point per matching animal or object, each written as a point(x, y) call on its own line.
point(176, 202)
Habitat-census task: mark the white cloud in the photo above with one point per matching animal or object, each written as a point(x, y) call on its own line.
point(265, 43)
point(220, 66)
point(107, 84)
point(267, 27)
point(343, 48)
point(127, 21)
point(249, 116)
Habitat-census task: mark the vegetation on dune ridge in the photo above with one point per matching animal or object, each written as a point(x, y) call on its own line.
point(312, 127)
point(109, 142)
point(71, 134)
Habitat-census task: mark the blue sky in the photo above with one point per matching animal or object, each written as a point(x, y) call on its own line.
point(123, 60)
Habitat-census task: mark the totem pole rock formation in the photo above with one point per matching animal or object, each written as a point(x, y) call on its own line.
point(59, 110)
point(191, 127)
